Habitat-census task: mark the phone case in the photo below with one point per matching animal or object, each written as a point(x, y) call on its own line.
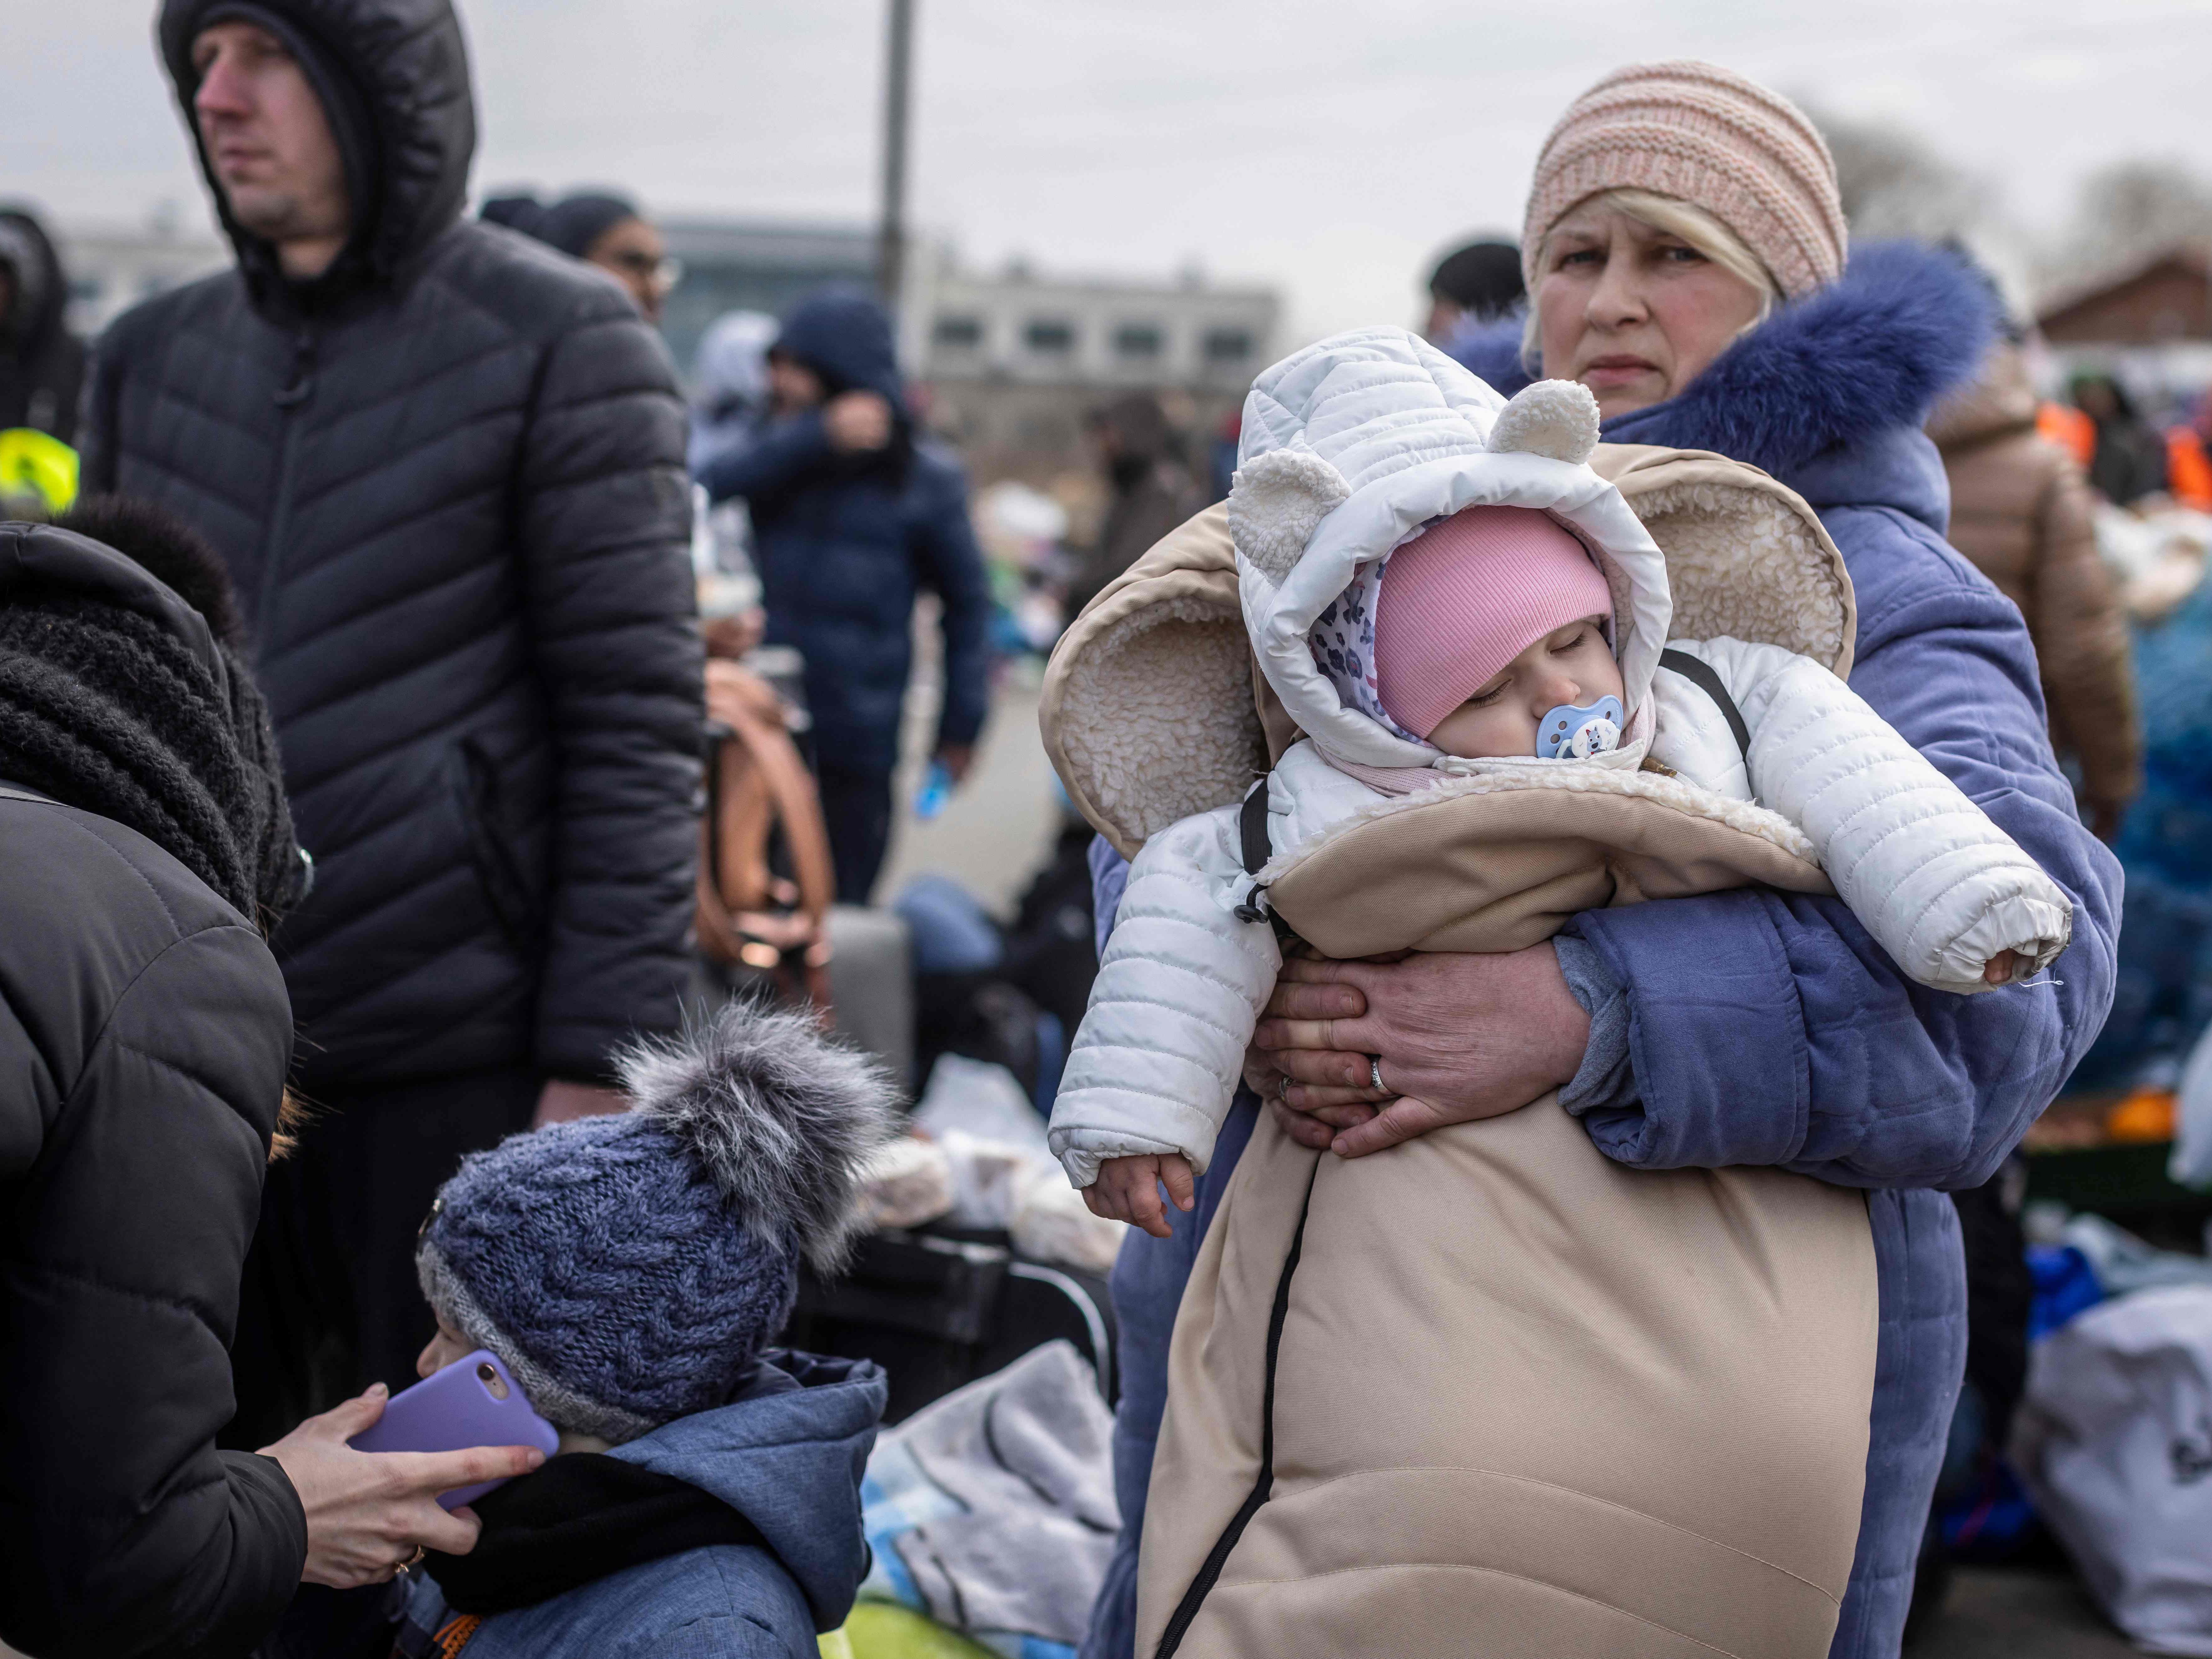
point(458, 1407)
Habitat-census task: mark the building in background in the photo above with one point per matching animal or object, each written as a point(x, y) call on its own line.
point(2151, 327)
point(754, 264)
point(1014, 362)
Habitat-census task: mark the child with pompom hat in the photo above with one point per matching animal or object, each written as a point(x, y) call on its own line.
point(631, 1272)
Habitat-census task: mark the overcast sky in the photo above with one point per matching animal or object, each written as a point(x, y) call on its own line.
point(1327, 146)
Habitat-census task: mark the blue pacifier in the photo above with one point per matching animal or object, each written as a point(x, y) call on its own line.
point(1569, 732)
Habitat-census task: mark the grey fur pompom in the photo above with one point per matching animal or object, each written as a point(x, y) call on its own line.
point(782, 1118)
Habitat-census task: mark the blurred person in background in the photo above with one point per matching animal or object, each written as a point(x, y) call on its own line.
point(601, 229)
point(853, 514)
point(446, 468)
point(2021, 511)
point(2127, 460)
point(1149, 489)
point(41, 362)
point(729, 399)
point(1472, 285)
point(142, 819)
point(1685, 252)
point(729, 383)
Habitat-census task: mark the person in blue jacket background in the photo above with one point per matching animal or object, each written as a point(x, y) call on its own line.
point(1686, 253)
point(853, 514)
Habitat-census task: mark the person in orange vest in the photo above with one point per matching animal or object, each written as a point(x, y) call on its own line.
point(2069, 428)
point(2188, 469)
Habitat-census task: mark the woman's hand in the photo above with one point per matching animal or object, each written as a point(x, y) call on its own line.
point(1460, 1037)
point(369, 1513)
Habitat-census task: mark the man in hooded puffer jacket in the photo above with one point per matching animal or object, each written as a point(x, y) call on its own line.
point(853, 513)
point(445, 466)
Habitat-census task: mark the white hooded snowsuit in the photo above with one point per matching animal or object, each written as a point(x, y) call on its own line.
point(1351, 448)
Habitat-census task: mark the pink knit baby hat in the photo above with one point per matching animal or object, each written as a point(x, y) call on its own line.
point(1708, 137)
point(1466, 597)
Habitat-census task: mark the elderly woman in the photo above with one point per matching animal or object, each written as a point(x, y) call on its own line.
point(1684, 250)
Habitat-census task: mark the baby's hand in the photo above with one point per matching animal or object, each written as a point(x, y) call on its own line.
point(1999, 968)
point(1128, 1189)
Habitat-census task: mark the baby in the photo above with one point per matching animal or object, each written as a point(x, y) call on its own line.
point(1482, 641)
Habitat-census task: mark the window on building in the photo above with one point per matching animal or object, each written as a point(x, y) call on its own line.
point(1139, 342)
point(1048, 336)
point(1228, 346)
point(958, 333)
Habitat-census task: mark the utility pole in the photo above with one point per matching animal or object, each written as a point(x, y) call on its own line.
point(898, 72)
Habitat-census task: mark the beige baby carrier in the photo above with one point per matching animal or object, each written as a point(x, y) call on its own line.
point(1489, 1392)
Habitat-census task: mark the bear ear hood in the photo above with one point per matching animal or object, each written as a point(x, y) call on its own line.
point(1357, 444)
point(1153, 710)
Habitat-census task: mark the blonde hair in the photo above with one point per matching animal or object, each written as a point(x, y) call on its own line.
point(1684, 221)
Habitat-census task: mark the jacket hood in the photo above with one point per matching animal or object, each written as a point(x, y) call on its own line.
point(45, 559)
point(843, 334)
point(393, 79)
point(1870, 354)
point(788, 1456)
point(1353, 446)
point(1153, 710)
point(35, 315)
point(2002, 401)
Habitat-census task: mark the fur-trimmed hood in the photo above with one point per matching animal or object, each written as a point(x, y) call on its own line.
point(1874, 352)
point(1154, 709)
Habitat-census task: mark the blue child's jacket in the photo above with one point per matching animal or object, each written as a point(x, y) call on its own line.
point(788, 1456)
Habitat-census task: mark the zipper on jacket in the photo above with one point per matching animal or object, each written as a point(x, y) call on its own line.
point(291, 400)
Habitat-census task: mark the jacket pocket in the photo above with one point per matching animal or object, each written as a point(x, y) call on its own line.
point(482, 802)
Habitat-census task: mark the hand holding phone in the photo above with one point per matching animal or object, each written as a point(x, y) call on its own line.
point(471, 1402)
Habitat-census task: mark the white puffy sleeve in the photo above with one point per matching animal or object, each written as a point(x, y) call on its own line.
point(1158, 1057)
point(1939, 885)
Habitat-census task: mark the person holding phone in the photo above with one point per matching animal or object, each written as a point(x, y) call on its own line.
point(145, 846)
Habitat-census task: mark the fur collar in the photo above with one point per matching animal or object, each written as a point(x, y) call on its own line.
point(1875, 351)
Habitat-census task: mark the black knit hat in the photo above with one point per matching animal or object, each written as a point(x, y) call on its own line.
point(121, 693)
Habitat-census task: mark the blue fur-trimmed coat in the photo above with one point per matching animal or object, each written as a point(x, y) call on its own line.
point(1798, 1042)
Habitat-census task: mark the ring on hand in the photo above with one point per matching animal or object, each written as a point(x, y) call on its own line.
point(1283, 1088)
point(1375, 1074)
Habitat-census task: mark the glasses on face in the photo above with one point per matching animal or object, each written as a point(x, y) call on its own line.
point(660, 272)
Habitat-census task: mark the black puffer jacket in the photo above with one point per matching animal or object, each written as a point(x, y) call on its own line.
point(448, 479)
point(144, 1041)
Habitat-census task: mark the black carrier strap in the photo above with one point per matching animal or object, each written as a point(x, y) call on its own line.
point(1258, 847)
point(1252, 826)
point(1264, 1485)
point(1700, 674)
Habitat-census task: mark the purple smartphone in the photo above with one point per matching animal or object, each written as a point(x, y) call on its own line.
point(472, 1402)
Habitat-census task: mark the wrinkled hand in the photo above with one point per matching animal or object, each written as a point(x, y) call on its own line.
point(368, 1512)
point(562, 1102)
point(1460, 1037)
point(1128, 1189)
point(857, 420)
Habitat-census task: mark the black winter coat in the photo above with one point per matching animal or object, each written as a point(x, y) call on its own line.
point(41, 362)
point(845, 542)
point(144, 1041)
point(448, 479)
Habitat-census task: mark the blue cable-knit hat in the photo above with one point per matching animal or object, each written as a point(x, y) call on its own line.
point(628, 1269)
